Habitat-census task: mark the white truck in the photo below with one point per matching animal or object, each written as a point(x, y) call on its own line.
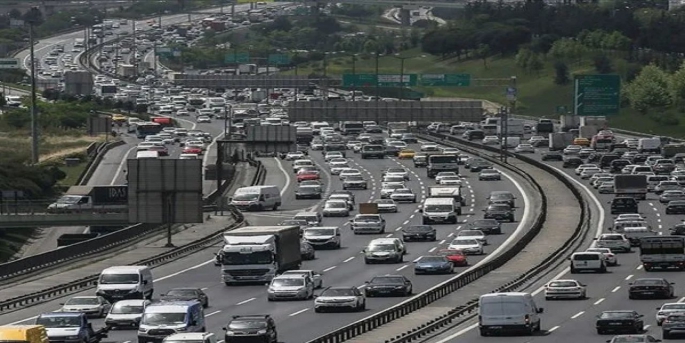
point(600, 122)
point(569, 122)
point(662, 252)
point(247, 69)
point(447, 192)
point(514, 127)
point(588, 131)
point(256, 254)
point(649, 145)
point(92, 199)
point(560, 140)
point(631, 186)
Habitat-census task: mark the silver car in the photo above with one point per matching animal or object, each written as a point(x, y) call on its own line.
point(317, 278)
point(95, 306)
point(386, 205)
point(126, 313)
point(367, 223)
point(667, 309)
point(338, 298)
point(403, 194)
point(297, 287)
point(336, 208)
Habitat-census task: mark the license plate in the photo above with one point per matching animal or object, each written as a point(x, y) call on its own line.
point(385, 291)
point(494, 327)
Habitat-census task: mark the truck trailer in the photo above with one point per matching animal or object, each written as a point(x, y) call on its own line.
point(106, 199)
point(662, 252)
point(631, 185)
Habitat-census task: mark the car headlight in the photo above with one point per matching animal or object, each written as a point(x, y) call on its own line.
point(261, 332)
point(230, 333)
point(143, 330)
point(181, 329)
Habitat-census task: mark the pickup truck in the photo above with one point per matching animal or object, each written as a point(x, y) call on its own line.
point(70, 327)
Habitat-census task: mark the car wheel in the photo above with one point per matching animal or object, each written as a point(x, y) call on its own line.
point(665, 334)
point(363, 306)
point(317, 310)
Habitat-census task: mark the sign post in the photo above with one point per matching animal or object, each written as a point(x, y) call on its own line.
point(596, 95)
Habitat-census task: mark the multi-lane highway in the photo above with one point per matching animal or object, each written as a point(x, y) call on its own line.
point(339, 267)
point(574, 320)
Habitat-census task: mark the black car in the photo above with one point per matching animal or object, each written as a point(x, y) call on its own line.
point(420, 161)
point(373, 129)
point(650, 288)
point(540, 143)
point(307, 251)
point(675, 207)
point(259, 327)
point(619, 321)
point(391, 150)
point(572, 162)
point(678, 230)
point(388, 285)
point(617, 165)
point(477, 166)
point(419, 233)
point(409, 138)
point(308, 192)
point(552, 156)
point(301, 223)
point(488, 226)
point(500, 212)
point(621, 205)
point(186, 294)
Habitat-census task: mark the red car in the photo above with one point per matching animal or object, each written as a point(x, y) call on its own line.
point(457, 257)
point(305, 175)
point(163, 151)
point(192, 150)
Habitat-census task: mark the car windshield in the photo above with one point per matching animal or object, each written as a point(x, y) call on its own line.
point(163, 318)
point(355, 178)
point(616, 315)
point(59, 322)
point(438, 208)
point(470, 233)
point(629, 339)
point(673, 307)
point(465, 242)
point(403, 191)
point(182, 293)
point(246, 197)
point(648, 282)
point(562, 284)
point(451, 252)
point(288, 282)
point(416, 228)
point(387, 279)
point(83, 301)
point(444, 174)
point(119, 308)
point(338, 292)
point(381, 247)
point(384, 201)
point(320, 232)
point(485, 222)
point(430, 259)
point(611, 238)
point(336, 204)
point(498, 208)
point(247, 324)
point(109, 279)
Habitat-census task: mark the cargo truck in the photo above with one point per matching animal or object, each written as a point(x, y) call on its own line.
point(514, 127)
point(588, 131)
point(560, 140)
point(670, 150)
point(447, 192)
point(600, 122)
point(662, 252)
point(544, 126)
point(70, 327)
point(442, 163)
point(631, 186)
point(92, 198)
point(256, 254)
point(304, 135)
point(23, 334)
point(569, 122)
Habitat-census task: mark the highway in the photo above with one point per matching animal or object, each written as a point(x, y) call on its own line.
point(340, 267)
point(574, 320)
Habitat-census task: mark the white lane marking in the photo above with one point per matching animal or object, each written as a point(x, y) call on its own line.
point(417, 259)
point(599, 301)
point(213, 313)
point(398, 229)
point(552, 329)
point(639, 267)
point(681, 299)
point(451, 234)
point(629, 277)
point(298, 312)
point(646, 327)
point(122, 164)
point(330, 268)
point(432, 249)
point(400, 268)
point(615, 289)
point(287, 176)
point(405, 222)
point(349, 259)
point(204, 288)
point(577, 315)
point(245, 301)
point(443, 241)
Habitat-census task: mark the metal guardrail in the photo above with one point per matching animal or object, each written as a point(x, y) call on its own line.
point(465, 312)
point(424, 299)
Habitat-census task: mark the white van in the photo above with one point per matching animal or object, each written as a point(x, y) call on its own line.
point(512, 142)
point(147, 154)
point(508, 312)
point(256, 198)
point(587, 261)
point(125, 282)
point(167, 318)
point(440, 210)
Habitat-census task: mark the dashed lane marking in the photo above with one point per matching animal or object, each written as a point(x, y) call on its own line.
point(245, 301)
point(599, 301)
point(348, 259)
point(629, 277)
point(213, 313)
point(577, 315)
point(298, 312)
point(400, 268)
point(615, 289)
point(553, 328)
point(330, 268)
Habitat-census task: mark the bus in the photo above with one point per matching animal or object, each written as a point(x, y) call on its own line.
point(147, 129)
point(196, 103)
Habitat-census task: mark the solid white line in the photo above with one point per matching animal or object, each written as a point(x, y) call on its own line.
point(330, 268)
point(122, 165)
point(245, 301)
point(639, 267)
point(615, 289)
point(298, 312)
point(400, 268)
point(599, 301)
point(349, 259)
point(681, 299)
point(213, 313)
point(287, 176)
point(577, 315)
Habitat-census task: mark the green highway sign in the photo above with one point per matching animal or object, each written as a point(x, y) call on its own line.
point(163, 51)
point(596, 95)
point(380, 80)
point(9, 63)
point(445, 80)
point(278, 59)
point(238, 57)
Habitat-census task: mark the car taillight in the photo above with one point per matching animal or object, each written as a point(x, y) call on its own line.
point(527, 319)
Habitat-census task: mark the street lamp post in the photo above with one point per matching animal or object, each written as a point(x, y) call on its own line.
point(34, 13)
point(354, 72)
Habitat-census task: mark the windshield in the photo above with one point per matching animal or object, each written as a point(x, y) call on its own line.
point(484, 223)
point(244, 324)
point(246, 197)
point(59, 322)
point(338, 292)
point(163, 318)
point(470, 233)
point(83, 301)
point(181, 293)
point(320, 232)
point(117, 279)
point(465, 242)
point(69, 199)
point(562, 284)
point(616, 315)
point(612, 238)
point(336, 204)
point(381, 247)
point(498, 208)
point(236, 258)
point(289, 282)
point(127, 309)
point(673, 307)
point(648, 282)
point(385, 279)
point(430, 259)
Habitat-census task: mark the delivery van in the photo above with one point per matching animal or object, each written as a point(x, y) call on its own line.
point(508, 312)
point(163, 319)
point(257, 198)
point(125, 282)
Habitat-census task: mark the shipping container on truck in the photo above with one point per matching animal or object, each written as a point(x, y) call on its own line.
point(588, 131)
point(600, 122)
point(514, 127)
point(163, 121)
point(569, 122)
point(560, 140)
point(544, 126)
point(631, 185)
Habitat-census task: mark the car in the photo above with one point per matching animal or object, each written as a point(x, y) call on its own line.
point(500, 212)
point(565, 289)
point(388, 188)
point(450, 180)
point(298, 287)
point(450, 151)
point(386, 205)
point(355, 182)
point(308, 192)
point(433, 265)
point(340, 298)
point(479, 165)
point(349, 198)
point(675, 207)
point(348, 172)
point(524, 149)
point(468, 246)
point(303, 175)
point(489, 175)
point(409, 138)
point(403, 195)
point(572, 150)
point(126, 313)
point(571, 162)
point(606, 188)
point(609, 257)
point(186, 294)
point(671, 195)
point(585, 152)
point(614, 242)
point(440, 175)
point(552, 156)
point(587, 173)
point(406, 154)
point(204, 119)
point(337, 167)
point(89, 305)
point(673, 322)
point(534, 139)
point(192, 150)
point(367, 223)
point(336, 208)
point(307, 251)
point(633, 339)
point(332, 154)
point(457, 257)
point(396, 172)
point(419, 233)
point(316, 277)
point(260, 328)
point(583, 166)
point(388, 285)
point(619, 321)
point(668, 309)
point(475, 234)
point(429, 147)
point(490, 140)
point(667, 186)
point(629, 217)
point(488, 226)
point(651, 288)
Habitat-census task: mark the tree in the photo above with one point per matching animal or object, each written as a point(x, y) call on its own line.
point(561, 73)
point(523, 57)
point(650, 89)
point(3, 100)
point(536, 64)
point(15, 13)
point(483, 52)
point(602, 63)
point(678, 86)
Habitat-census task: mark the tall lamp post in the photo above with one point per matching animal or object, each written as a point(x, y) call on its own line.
point(33, 17)
point(401, 74)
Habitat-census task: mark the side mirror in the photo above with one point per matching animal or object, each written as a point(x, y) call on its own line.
point(658, 308)
point(421, 210)
point(315, 296)
point(630, 283)
point(363, 250)
point(640, 315)
point(540, 310)
point(193, 323)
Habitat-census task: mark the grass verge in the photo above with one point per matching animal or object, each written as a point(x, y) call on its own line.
point(11, 241)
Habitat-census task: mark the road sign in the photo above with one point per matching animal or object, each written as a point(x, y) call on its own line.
point(445, 80)
point(380, 80)
point(511, 93)
point(238, 57)
point(164, 51)
point(278, 59)
point(9, 63)
point(596, 95)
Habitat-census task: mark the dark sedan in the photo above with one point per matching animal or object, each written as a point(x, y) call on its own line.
point(488, 226)
point(552, 156)
point(388, 285)
point(419, 233)
point(572, 162)
point(619, 321)
point(651, 288)
point(634, 339)
point(500, 212)
point(675, 207)
point(433, 265)
point(185, 294)
point(307, 251)
point(478, 166)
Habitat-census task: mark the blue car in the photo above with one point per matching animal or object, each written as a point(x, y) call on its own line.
point(433, 265)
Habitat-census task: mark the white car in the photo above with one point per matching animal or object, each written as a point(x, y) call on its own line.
point(666, 309)
point(475, 234)
point(347, 172)
point(450, 180)
point(534, 139)
point(440, 175)
point(429, 147)
point(337, 167)
point(609, 256)
point(336, 208)
point(89, 305)
point(296, 155)
point(398, 172)
point(581, 167)
point(572, 150)
point(204, 119)
point(588, 172)
point(630, 217)
point(351, 144)
point(613, 241)
point(468, 245)
point(340, 298)
point(386, 205)
point(450, 151)
point(333, 154)
point(317, 278)
point(402, 195)
point(565, 289)
point(524, 149)
point(126, 313)
point(145, 146)
point(490, 140)
point(606, 188)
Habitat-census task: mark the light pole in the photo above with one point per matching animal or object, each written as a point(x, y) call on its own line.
point(33, 18)
point(354, 72)
point(401, 74)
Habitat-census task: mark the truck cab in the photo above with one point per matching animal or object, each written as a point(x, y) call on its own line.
point(70, 327)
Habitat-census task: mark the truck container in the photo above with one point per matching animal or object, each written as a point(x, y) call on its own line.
point(587, 131)
point(649, 145)
point(164, 121)
point(96, 198)
point(631, 186)
point(247, 69)
point(453, 192)
point(23, 334)
point(544, 126)
point(514, 127)
point(368, 208)
point(393, 127)
point(560, 140)
point(600, 122)
point(442, 163)
point(256, 254)
point(304, 135)
point(569, 122)
point(70, 327)
point(351, 127)
point(662, 252)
